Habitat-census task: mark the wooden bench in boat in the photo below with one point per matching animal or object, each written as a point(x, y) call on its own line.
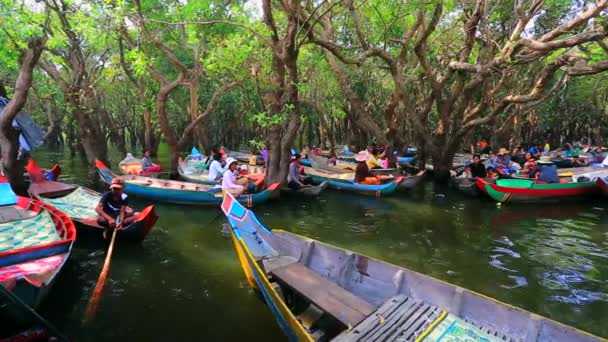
point(402, 318)
point(324, 293)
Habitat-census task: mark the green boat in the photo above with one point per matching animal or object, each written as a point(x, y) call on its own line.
point(523, 190)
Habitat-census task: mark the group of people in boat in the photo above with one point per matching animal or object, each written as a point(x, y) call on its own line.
point(536, 163)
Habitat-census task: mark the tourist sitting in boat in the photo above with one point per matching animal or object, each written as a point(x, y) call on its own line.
point(536, 152)
point(333, 158)
point(295, 180)
point(113, 209)
point(265, 155)
point(491, 173)
point(216, 170)
point(147, 163)
point(232, 183)
point(466, 173)
point(598, 155)
point(372, 159)
point(362, 174)
point(529, 165)
point(477, 167)
point(546, 171)
point(502, 162)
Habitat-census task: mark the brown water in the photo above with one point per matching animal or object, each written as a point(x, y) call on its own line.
point(184, 281)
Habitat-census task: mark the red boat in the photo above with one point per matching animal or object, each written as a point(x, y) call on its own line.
point(35, 242)
point(79, 204)
point(602, 183)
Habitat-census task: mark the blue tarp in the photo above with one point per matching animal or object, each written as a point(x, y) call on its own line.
point(31, 134)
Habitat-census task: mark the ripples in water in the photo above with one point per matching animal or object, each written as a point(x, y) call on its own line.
point(565, 258)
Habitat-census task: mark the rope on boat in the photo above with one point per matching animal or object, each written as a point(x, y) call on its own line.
point(96, 296)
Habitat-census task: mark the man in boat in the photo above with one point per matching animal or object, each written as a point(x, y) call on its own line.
point(492, 173)
point(113, 209)
point(147, 163)
point(295, 180)
point(232, 183)
point(546, 171)
point(477, 167)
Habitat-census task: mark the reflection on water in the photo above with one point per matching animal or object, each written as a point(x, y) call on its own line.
point(184, 282)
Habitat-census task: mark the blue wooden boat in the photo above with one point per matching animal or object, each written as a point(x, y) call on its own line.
point(35, 242)
point(406, 160)
point(169, 191)
point(319, 292)
point(345, 181)
point(306, 162)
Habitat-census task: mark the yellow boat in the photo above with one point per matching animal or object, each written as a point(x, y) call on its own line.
point(320, 292)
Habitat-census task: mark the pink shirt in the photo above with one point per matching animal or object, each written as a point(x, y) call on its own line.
point(229, 181)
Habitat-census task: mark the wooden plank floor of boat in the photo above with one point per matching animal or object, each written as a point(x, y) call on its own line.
point(402, 318)
point(51, 189)
point(322, 292)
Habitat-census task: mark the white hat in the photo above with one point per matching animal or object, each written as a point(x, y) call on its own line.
point(230, 160)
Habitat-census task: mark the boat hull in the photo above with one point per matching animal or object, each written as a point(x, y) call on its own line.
point(31, 271)
point(190, 197)
point(368, 190)
point(602, 184)
point(538, 192)
point(377, 283)
point(311, 191)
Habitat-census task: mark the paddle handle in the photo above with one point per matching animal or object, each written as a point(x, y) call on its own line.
point(96, 296)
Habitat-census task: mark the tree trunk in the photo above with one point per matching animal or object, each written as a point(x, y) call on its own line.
point(9, 136)
point(200, 134)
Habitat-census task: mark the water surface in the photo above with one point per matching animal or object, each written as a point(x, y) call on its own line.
point(184, 282)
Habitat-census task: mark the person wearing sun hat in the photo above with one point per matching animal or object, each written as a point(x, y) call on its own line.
point(230, 183)
point(362, 174)
point(546, 171)
point(113, 209)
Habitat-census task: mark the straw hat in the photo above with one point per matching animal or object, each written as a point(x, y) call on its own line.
point(362, 156)
point(502, 151)
point(117, 183)
point(545, 160)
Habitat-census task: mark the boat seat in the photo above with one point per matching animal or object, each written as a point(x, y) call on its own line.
point(399, 319)
point(334, 300)
point(402, 318)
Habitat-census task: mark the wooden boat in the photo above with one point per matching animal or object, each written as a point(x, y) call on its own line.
point(521, 190)
point(311, 191)
point(134, 166)
point(21, 323)
point(410, 182)
point(181, 192)
point(35, 242)
point(320, 292)
point(602, 183)
point(201, 177)
point(466, 185)
point(345, 181)
point(79, 205)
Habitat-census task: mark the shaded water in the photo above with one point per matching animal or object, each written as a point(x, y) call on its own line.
point(184, 282)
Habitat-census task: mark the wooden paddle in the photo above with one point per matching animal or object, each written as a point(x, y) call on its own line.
point(96, 296)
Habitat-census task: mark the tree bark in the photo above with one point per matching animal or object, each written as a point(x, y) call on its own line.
point(9, 136)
